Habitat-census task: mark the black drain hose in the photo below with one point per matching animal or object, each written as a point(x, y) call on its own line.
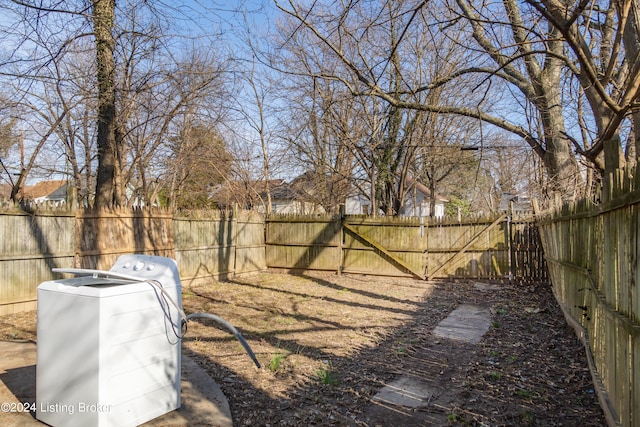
point(232, 329)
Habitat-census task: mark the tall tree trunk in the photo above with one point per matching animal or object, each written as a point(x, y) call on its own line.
point(633, 148)
point(559, 161)
point(432, 197)
point(108, 159)
point(632, 50)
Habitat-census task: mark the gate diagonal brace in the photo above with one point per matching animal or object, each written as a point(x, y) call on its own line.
point(386, 254)
point(467, 246)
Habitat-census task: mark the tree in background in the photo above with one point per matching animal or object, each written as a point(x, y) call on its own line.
point(198, 162)
point(369, 93)
point(8, 138)
point(498, 167)
point(343, 51)
point(321, 126)
point(102, 83)
point(31, 69)
point(526, 56)
point(602, 42)
point(517, 72)
point(109, 183)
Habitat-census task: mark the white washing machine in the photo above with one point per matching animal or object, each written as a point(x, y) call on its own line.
point(108, 349)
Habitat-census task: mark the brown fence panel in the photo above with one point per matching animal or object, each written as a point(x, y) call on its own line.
point(250, 244)
point(487, 257)
point(401, 238)
point(527, 254)
point(489, 248)
point(217, 244)
point(105, 234)
point(32, 244)
point(594, 265)
point(296, 242)
point(205, 245)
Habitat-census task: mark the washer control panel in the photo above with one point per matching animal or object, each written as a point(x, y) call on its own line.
point(144, 266)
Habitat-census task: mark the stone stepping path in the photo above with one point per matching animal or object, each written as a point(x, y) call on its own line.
point(405, 391)
point(467, 323)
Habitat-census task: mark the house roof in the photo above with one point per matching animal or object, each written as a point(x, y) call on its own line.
point(43, 188)
point(283, 191)
point(39, 190)
point(411, 182)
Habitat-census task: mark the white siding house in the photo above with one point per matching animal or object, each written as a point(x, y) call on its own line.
point(416, 203)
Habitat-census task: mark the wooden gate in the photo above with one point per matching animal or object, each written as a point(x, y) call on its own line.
point(469, 250)
point(386, 246)
point(485, 248)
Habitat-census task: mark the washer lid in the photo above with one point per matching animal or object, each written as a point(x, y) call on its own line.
point(97, 287)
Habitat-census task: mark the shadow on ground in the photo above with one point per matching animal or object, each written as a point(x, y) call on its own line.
point(331, 344)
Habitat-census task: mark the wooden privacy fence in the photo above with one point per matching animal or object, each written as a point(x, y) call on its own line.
point(593, 257)
point(205, 245)
point(494, 248)
point(30, 246)
point(215, 244)
point(103, 235)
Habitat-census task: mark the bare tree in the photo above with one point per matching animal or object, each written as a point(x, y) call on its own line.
point(376, 58)
point(252, 105)
point(602, 40)
point(33, 51)
point(530, 62)
point(109, 185)
point(516, 60)
point(199, 161)
point(132, 102)
point(321, 135)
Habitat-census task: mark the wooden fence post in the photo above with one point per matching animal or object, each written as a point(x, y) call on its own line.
point(342, 211)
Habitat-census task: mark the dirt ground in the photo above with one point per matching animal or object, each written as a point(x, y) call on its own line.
point(329, 343)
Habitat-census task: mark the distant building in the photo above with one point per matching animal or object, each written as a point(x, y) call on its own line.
point(299, 197)
point(43, 191)
point(416, 203)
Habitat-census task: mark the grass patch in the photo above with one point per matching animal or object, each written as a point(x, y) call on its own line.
point(495, 375)
point(276, 362)
point(326, 376)
point(524, 393)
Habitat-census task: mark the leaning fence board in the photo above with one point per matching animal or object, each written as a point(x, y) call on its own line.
point(302, 242)
point(384, 246)
point(397, 261)
point(470, 243)
point(473, 249)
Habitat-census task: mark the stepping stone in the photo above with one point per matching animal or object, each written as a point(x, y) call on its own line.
point(467, 323)
point(406, 391)
point(486, 287)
